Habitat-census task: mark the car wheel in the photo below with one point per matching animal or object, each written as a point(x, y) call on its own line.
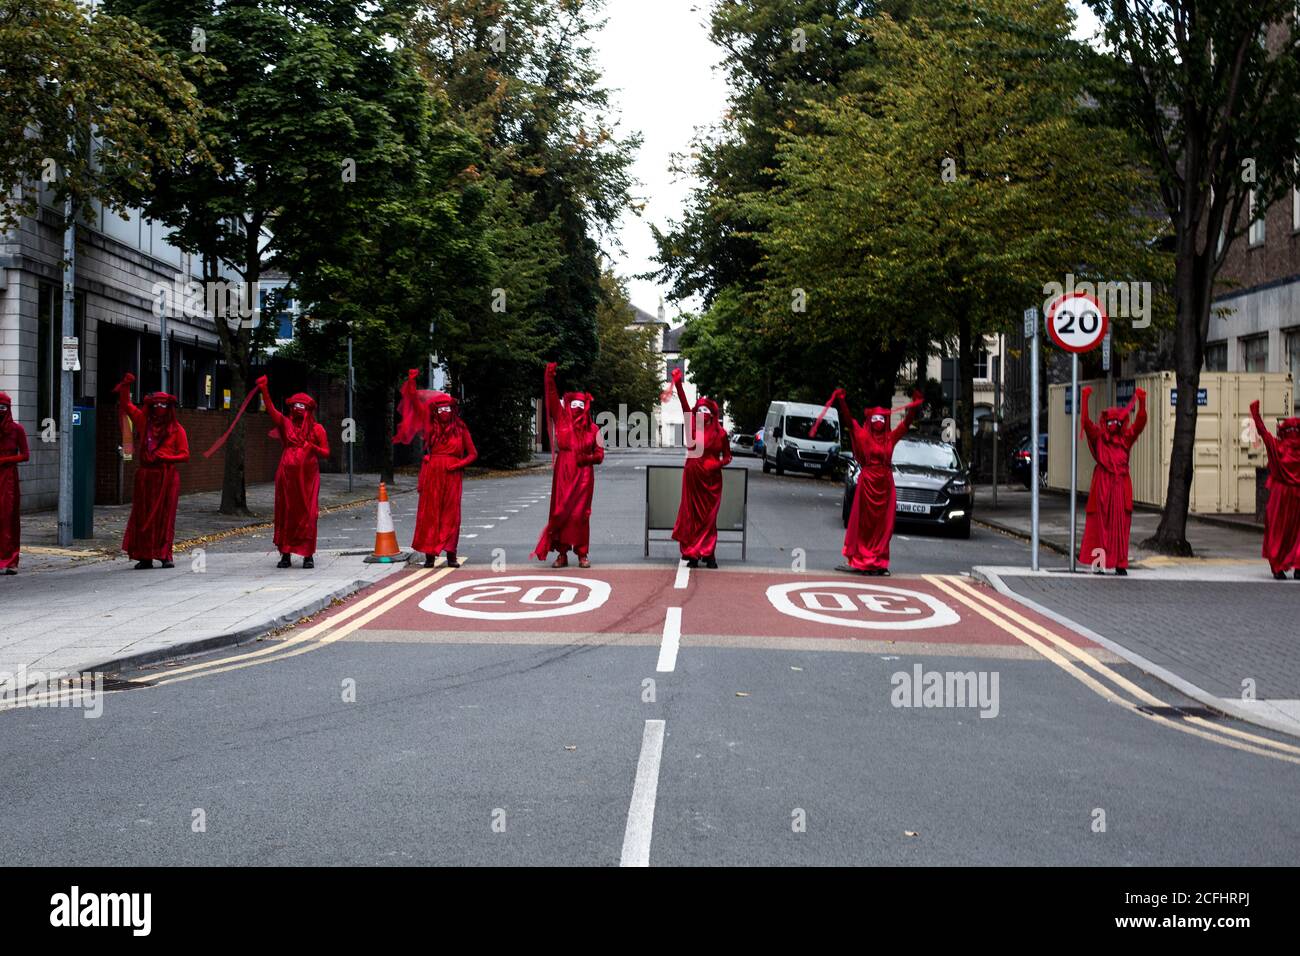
point(767, 466)
point(961, 530)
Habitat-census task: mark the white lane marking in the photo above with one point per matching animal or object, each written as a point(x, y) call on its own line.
point(484, 526)
point(683, 575)
point(641, 811)
point(672, 640)
point(469, 536)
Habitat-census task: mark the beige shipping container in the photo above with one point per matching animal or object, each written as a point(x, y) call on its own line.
point(1224, 457)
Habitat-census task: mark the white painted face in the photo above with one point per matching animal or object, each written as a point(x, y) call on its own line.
point(444, 409)
point(577, 404)
point(299, 407)
point(3, 409)
point(878, 419)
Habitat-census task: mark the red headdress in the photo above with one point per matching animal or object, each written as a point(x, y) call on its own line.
point(159, 428)
point(1287, 428)
point(7, 416)
point(305, 429)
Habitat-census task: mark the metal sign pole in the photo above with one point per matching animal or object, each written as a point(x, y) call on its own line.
point(1074, 454)
point(1031, 326)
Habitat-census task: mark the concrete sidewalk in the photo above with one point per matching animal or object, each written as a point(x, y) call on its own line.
point(104, 615)
point(198, 520)
point(1217, 541)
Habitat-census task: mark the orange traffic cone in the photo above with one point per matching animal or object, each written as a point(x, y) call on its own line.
point(386, 549)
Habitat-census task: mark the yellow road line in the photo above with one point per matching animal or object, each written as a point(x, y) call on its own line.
point(1087, 679)
point(1119, 679)
point(335, 634)
point(404, 581)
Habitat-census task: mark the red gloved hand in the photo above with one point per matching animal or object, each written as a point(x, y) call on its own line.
point(677, 375)
point(413, 373)
point(262, 382)
point(1086, 392)
point(1254, 406)
point(1141, 394)
point(551, 367)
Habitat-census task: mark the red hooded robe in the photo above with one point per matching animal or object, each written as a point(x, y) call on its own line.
point(1282, 513)
point(297, 479)
point(448, 451)
point(161, 444)
point(871, 519)
point(708, 452)
point(13, 451)
point(1110, 496)
point(576, 448)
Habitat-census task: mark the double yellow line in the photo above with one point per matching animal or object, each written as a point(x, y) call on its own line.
point(319, 635)
point(1095, 675)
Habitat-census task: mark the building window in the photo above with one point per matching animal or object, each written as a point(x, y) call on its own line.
point(1254, 354)
point(1216, 357)
point(1256, 233)
point(982, 364)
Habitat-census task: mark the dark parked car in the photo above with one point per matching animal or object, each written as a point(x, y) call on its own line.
point(1020, 463)
point(932, 485)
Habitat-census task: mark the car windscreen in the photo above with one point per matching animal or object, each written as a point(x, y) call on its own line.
point(798, 426)
point(926, 455)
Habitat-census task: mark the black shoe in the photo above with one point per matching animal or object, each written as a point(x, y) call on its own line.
point(284, 562)
point(1122, 572)
point(1279, 575)
point(1295, 574)
point(430, 560)
point(143, 565)
point(451, 560)
point(168, 564)
point(711, 562)
point(308, 562)
point(692, 562)
point(11, 570)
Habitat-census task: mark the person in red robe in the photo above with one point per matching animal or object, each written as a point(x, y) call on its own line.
point(297, 479)
point(576, 448)
point(13, 452)
point(1282, 513)
point(708, 451)
point(161, 444)
point(871, 518)
point(1110, 496)
point(448, 451)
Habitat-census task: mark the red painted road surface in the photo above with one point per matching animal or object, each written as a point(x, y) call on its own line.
point(739, 603)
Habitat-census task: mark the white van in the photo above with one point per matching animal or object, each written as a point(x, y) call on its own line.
point(787, 446)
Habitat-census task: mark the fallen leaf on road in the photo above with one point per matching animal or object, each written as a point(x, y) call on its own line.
point(570, 747)
point(910, 833)
point(742, 693)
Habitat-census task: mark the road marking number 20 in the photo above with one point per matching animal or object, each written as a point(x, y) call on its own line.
point(521, 597)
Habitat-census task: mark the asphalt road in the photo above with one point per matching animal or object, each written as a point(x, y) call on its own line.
point(439, 720)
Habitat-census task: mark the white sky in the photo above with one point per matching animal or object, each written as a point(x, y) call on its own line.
point(659, 66)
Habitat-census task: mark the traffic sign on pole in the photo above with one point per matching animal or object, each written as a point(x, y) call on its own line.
point(1077, 322)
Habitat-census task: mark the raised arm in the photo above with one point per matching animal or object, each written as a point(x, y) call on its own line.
point(123, 390)
point(1140, 420)
point(837, 397)
point(1089, 426)
point(909, 416)
point(681, 392)
point(552, 394)
point(277, 418)
point(1270, 441)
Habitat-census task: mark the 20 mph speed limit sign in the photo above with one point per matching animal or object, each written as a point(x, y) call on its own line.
point(1077, 322)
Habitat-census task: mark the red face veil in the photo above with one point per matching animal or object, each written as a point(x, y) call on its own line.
point(160, 411)
point(1114, 421)
point(877, 420)
point(6, 413)
point(578, 405)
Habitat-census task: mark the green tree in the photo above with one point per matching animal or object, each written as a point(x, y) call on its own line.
point(936, 203)
point(65, 72)
point(1210, 91)
point(301, 98)
point(520, 75)
point(627, 372)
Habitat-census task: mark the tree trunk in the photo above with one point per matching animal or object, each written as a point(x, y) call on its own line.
point(234, 498)
point(1192, 302)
